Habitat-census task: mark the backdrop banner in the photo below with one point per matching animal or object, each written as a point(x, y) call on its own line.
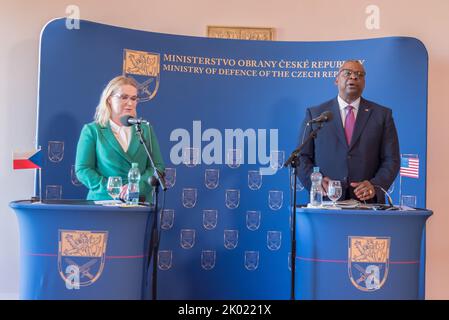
point(227, 113)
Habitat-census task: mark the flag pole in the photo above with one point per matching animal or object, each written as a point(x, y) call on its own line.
point(40, 185)
point(40, 178)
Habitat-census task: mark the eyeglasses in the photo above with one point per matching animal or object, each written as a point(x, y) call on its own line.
point(125, 98)
point(347, 73)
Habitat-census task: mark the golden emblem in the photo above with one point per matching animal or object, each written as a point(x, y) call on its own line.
point(84, 251)
point(145, 68)
point(368, 262)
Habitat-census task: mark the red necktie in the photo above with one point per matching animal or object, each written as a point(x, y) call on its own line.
point(349, 123)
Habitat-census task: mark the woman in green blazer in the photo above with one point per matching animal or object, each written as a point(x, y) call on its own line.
point(107, 148)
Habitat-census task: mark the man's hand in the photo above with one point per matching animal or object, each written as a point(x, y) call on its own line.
point(325, 185)
point(363, 190)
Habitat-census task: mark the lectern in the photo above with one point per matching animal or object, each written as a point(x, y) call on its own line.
point(360, 254)
point(80, 250)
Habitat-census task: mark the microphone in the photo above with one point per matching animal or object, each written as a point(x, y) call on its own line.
point(128, 121)
point(389, 199)
point(324, 117)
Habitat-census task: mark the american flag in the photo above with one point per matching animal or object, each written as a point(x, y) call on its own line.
point(409, 167)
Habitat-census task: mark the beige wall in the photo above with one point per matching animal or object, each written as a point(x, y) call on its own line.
point(294, 20)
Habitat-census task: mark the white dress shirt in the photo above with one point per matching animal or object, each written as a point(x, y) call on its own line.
point(122, 134)
point(343, 111)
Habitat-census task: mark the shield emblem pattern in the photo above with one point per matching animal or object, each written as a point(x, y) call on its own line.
point(189, 197)
point(55, 151)
point(275, 199)
point(211, 178)
point(84, 250)
point(187, 238)
point(170, 177)
point(210, 218)
point(191, 157)
point(232, 198)
point(231, 239)
point(73, 177)
point(167, 219)
point(277, 159)
point(164, 259)
point(234, 158)
point(254, 180)
point(253, 220)
point(274, 239)
point(251, 260)
point(368, 261)
point(208, 258)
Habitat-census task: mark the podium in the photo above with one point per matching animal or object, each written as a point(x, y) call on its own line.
point(360, 254)
point(78, 250)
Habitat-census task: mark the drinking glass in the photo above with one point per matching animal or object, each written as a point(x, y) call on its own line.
point(334, 191)
point(114, 187)
point(408, 201)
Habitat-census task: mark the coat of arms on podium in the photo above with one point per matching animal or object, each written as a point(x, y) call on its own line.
point(368, 262)
point(145, 68)
point(83, 252)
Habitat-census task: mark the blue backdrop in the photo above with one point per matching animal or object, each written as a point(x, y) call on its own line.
point(225, 229)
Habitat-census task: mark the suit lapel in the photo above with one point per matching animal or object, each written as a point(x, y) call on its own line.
point(338, 124)
point(134, 143)
point(362, 118)
point(115, 145)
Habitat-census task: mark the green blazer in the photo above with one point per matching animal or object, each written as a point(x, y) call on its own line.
point(99, 156)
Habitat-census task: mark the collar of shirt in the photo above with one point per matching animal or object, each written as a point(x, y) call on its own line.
point(343, 104)
point(122, 134)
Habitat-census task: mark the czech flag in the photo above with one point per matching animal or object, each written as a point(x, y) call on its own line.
point(27, 160)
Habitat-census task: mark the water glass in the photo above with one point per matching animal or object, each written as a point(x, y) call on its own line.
point(114, 187)
point(334, 191)
point(408, 201)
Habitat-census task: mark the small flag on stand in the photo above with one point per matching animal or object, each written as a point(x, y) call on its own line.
point(409, 167)
point(27, 160)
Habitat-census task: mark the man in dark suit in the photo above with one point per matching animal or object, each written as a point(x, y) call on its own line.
point(359, 146)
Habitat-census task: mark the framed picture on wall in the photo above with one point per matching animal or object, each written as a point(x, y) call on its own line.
point(242, 33)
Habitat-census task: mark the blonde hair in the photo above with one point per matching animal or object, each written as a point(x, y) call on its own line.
point(103, 111)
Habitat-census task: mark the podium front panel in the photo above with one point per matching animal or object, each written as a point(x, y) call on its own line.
point(355, 254)
point(82, 251)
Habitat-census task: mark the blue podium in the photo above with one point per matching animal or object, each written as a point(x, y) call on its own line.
point(79, 250)
point(360, 254)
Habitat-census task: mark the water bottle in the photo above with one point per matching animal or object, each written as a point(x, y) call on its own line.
point(132, 194)
point(316, 191)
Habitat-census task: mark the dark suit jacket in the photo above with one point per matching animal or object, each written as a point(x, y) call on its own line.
point(372, 155)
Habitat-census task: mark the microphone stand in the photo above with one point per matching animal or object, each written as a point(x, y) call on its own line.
point(156, 181)
point(293, 162)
